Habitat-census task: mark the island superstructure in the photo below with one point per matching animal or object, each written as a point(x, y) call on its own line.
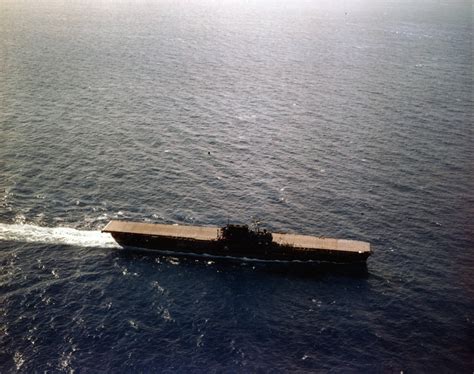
point(236, 241)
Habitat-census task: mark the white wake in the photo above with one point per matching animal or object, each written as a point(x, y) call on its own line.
point(56, 235)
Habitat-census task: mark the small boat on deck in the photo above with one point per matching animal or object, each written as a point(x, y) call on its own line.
point(237, 241)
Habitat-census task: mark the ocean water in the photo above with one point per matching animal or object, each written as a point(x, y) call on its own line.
point(350, 119)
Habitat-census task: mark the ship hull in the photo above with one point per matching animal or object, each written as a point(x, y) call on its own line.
point(217, 248)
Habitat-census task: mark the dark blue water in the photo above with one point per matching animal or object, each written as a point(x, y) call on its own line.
point(348, 119)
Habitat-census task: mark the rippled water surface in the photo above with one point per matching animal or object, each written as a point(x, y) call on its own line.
point(348, 119)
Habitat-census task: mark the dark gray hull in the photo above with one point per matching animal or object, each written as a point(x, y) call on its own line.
point(221, 248)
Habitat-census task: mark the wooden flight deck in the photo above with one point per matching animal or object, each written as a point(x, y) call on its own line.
point(211, 234)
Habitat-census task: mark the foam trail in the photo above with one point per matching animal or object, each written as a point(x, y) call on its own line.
point(56, 235)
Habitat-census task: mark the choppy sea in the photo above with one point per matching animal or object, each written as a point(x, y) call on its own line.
point(347, 118)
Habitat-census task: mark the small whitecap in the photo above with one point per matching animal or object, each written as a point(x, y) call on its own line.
point(65, 361)
point(19, 360)
point(19, 219)
point(156, 285)
point(199, 342)
point(166, 315)
point(46, 300)
point(32, 339)
point(173, 260)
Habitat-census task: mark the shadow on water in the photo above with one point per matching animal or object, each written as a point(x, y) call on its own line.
point(310, 270)
point(307, 270)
